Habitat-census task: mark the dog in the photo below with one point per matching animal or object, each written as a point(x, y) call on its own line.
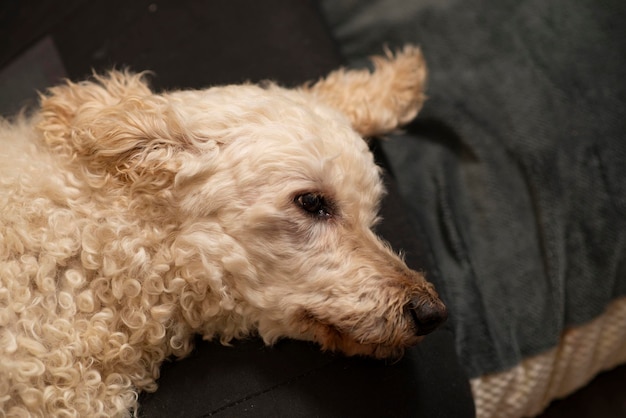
point(131, 221)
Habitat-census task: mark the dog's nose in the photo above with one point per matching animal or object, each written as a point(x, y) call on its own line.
point(427, 315)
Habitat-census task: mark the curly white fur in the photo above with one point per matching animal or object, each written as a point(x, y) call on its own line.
point(130, 221)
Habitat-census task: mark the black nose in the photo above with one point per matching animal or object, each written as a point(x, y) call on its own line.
point(427, 315)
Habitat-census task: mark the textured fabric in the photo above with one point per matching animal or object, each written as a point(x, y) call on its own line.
point(515, 168)
point(584, 351)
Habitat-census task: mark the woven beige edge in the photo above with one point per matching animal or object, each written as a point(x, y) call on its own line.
point(583, 352)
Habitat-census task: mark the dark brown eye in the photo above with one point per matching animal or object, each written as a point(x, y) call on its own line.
point(314, 204)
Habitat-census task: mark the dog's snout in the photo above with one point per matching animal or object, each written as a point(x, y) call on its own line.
point(427, 315)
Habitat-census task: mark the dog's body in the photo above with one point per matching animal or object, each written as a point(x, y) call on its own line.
point(130, 221)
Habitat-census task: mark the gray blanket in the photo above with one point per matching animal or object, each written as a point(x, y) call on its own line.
point(516, 168)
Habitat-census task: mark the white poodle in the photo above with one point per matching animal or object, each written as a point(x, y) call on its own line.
point(130, 221)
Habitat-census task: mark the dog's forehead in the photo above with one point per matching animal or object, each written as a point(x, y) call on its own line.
point(293, 125)
point(319, 146)
point(253, 105)
point(287, 140)
point(283, 122)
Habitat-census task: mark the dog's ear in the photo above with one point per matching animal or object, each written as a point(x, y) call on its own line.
point(113, 123)
point(378, 101)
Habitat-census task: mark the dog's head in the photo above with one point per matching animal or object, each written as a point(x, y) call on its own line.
point(274, 194)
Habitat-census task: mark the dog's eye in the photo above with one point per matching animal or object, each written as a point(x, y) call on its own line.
point(314, 204)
